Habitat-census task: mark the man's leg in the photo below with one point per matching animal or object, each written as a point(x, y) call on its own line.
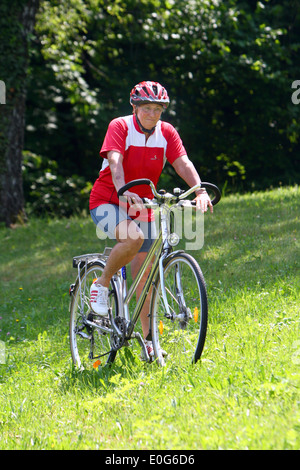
point(130, 239)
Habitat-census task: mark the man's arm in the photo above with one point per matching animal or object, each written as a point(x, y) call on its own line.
point(186, 170)
point(115, 160)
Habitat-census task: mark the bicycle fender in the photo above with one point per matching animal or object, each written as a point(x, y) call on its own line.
point(171, 255)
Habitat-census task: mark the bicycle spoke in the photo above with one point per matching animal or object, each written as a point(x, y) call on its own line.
point(89, 344)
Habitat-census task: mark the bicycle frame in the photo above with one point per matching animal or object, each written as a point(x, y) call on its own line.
point(161, 247)
point(120, 279)
point(127, 296)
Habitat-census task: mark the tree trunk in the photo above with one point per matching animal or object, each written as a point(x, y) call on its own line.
point(17, 19)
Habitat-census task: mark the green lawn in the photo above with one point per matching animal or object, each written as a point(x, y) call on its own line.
point(244, 394)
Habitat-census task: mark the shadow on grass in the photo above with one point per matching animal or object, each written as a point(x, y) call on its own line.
point(104, 378)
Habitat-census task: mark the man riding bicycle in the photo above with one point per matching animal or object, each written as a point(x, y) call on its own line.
point(136, 146)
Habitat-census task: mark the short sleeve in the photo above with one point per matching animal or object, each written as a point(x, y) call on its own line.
point(175, 147)
point(115, 138)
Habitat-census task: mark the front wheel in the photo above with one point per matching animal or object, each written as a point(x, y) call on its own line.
point(180, 335)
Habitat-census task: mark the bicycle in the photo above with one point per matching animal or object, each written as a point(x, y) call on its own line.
point(178, 307)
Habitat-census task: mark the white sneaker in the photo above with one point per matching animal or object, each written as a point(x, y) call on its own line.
point(99, 298)
point(150, 351)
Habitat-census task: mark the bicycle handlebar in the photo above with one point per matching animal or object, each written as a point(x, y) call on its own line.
point(133, 183)
point(141, 181)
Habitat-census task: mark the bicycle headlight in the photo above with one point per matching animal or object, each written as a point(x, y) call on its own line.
point(173, 239)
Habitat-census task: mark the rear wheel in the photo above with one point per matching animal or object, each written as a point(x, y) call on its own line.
point(180, 336)
point(90, 347)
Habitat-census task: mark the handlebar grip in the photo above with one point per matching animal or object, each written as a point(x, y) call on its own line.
point(131, 184)
point(215, 190)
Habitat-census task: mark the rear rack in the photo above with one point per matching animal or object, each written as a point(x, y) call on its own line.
point(81, 260)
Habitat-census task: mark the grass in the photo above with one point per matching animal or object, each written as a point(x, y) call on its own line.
point(244, 394)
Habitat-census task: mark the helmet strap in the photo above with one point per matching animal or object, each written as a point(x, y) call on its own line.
point(148, 131)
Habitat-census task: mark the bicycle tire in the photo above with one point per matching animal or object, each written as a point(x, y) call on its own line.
point(89, 347)
point(181, 337)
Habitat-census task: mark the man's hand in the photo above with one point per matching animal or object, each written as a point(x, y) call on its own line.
point(134, 199)
point(203, 202)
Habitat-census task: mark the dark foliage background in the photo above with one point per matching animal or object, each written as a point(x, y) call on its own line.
point(228, 66)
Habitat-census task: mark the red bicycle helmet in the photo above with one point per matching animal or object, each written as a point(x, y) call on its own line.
point(151, 92)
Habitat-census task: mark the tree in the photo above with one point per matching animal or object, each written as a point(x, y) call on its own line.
point(17, 18)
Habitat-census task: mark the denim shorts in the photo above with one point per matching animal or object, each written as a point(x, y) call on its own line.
point(108, 216)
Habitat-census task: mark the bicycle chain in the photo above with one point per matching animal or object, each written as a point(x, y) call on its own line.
point(118, 341)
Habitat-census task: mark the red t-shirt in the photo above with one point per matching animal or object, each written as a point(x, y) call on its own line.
point(141, 159)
